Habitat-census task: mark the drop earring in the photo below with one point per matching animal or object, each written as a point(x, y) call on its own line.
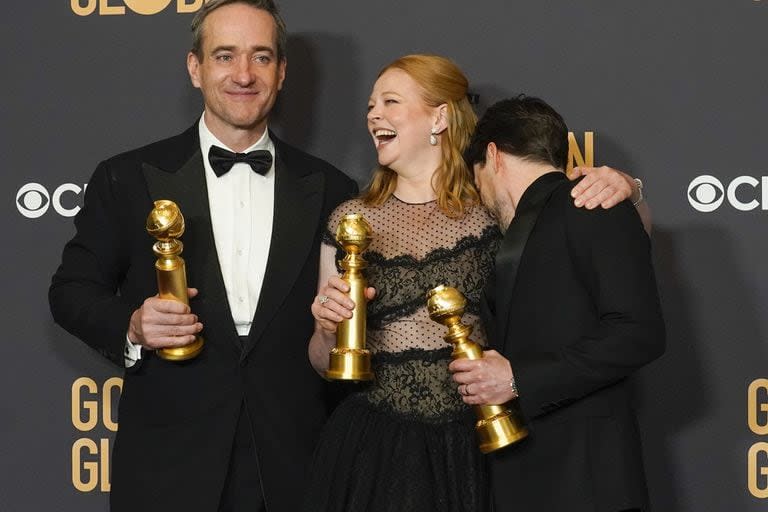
point(433, 137)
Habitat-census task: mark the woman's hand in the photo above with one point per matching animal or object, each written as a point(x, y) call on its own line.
point(332, 305)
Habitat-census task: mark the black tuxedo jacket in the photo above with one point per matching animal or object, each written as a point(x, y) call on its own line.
point(177, 419)
point(575, 309)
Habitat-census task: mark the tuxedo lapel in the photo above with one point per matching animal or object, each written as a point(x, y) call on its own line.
point(298, 206)
point(513, 245)
point(186, 186)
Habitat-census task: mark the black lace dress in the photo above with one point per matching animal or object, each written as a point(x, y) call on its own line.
point(406, 441)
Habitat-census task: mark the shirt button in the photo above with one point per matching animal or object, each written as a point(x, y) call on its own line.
point(242, 204)
point(239, 252)
point(241, 300)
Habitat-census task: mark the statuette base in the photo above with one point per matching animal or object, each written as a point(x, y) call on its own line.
point(349, 364)
point(181, 353)
point(500, 431)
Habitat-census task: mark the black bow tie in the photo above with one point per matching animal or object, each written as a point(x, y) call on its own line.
point(222, 160)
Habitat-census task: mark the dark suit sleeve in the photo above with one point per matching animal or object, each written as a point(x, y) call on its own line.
point(83, 295)
point(610, 254)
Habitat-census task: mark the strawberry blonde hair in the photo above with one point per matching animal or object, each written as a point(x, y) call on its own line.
point(441, 81)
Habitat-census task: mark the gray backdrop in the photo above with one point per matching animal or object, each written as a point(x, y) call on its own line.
point(675, 92)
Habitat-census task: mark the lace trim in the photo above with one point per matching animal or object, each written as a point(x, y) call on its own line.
point(415, 384)
point(410, 355)
point(491, 232)
point(403, 280)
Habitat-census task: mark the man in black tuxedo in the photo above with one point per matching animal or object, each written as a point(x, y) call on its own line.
point(233, 428)
point(572, 311)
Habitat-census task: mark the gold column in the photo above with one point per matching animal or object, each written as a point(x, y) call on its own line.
point(166, 223)
point(349, 359)
point(497, 425)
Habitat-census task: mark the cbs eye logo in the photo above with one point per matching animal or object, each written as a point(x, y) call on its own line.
point(144, 7)
point(33, 200)
point(706, 193)
point(744, 193)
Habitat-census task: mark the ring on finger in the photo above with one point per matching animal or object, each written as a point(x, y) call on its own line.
point(467, 392)
point(322, 299)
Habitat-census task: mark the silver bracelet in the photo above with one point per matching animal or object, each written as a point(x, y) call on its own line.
point(514, 387)
point(639, 184)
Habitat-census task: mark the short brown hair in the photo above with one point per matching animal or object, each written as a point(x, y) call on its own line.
point(265, 5)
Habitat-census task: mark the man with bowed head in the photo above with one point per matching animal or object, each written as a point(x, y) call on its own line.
point(234, 428)
point(572, 311)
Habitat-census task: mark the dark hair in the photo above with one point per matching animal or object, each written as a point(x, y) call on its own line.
point(525, 127)
point(265, 5)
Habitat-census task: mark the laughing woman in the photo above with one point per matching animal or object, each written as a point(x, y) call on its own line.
point(406, 441)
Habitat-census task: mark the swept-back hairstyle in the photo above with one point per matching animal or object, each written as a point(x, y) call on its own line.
point(525, 127)
point(441, 81)
point(265, 5)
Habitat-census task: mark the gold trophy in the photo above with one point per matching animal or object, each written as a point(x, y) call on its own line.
point(349, 360)
point(166, 224)
point(497, 425)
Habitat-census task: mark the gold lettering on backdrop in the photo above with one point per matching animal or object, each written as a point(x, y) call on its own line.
point(91, 407)
point(757, 457)
point(106, 485)
point(106, 410)
point(757, 404)
point(188, 6)
point(83, 10)
point(91, 455)
point(110, 10)
point(757, 471)
point(88, 474)
point(576, 157)
point(81, 468)
point(143, 7)
point(147, 7)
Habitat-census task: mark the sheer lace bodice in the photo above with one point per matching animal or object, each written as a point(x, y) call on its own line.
point(416, 247)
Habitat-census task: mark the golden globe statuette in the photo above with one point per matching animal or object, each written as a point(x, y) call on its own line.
point(349, 359)
point(166, 223)
point(497, 425)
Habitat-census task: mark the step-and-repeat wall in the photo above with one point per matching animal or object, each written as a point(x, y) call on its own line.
point(673, 92)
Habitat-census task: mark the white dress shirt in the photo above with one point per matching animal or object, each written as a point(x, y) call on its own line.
point(241, 203)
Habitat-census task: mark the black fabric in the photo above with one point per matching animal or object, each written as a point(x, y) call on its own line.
point(222, 160)
point(372, 460)
point(578, 316)
point(512, 246)
point(242, 487)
